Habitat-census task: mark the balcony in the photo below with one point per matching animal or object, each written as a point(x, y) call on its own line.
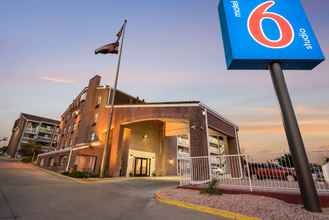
point(44, 139)
point(30, 130)
point(213, 150)
point(182, 142)
point(26, 140)
point(213, 140)
point(182, 154)
point(214, 160)
point(45, 130)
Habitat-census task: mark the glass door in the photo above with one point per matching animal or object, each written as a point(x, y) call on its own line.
point(142, 166)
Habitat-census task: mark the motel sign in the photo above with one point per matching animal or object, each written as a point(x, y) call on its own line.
point(274, 35)
point(256, 32)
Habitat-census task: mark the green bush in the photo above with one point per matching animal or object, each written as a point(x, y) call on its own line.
point(27, 159)
point(79, 174)
point(211, 188)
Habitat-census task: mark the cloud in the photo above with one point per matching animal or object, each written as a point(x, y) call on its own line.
point(57, 80)
point(275, 110)
point(314, 127)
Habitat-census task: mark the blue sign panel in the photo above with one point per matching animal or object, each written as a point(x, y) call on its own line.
point(259, 32)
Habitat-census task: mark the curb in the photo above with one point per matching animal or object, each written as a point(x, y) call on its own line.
point(204, 209)
point(58, 174)
point(87, 180)
point(8, 158)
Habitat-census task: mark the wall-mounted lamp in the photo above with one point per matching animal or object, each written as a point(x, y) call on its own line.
point(171, 162)
point(95, 143)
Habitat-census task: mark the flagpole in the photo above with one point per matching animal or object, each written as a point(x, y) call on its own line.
point(108, 140)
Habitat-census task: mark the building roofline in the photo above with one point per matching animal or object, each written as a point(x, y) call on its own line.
point(30, 117)
point(218, 115)
point(174, 102)
point(118, 90)
point(178, 104)
point(156, 104)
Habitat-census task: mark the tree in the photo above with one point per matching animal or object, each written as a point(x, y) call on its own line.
point(286, 161)
point(28, 149)
point(3, 149)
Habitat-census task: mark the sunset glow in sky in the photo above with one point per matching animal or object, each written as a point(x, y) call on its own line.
point(173, 51)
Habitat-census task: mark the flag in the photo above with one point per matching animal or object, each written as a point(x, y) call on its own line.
point(112, 48)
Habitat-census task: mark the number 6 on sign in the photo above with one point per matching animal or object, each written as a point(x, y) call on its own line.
point(257, 32)
point(255, 27)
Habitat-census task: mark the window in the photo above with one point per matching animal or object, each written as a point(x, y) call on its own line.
point(95, 119)
point(75, 114)
point(93, 136)
point(83, 97)
point(99, 101)
point(85, 163)
point(76, 125)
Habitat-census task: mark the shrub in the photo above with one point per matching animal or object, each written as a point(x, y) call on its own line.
point(79, 174)
point(27, 159)
point(211, 188)
point(28, 149)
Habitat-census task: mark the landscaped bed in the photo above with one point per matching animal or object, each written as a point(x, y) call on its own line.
point(250, 205)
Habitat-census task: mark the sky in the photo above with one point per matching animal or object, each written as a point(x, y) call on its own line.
point(173, 51)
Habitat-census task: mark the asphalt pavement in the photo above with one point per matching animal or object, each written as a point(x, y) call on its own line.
point(27, 192)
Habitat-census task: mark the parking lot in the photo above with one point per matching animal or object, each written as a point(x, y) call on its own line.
point(30, 193)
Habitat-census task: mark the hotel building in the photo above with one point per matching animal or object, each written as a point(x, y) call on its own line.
point(148, 138)
point(33, 129)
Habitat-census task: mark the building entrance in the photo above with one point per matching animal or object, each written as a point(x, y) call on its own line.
point(142, 166)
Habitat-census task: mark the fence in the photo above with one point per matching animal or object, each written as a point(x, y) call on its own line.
point(243, 171)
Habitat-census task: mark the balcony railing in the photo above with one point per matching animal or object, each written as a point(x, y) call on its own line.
point(30, 130)
point(213, 150)
point(45, 130)
point(181, 154)
point(182, 142)
point(44, 139)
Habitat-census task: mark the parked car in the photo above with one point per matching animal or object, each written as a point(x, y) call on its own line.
point(317, 172)
point(271, 171)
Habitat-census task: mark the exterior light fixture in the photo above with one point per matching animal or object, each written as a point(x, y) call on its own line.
point(95, 143)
